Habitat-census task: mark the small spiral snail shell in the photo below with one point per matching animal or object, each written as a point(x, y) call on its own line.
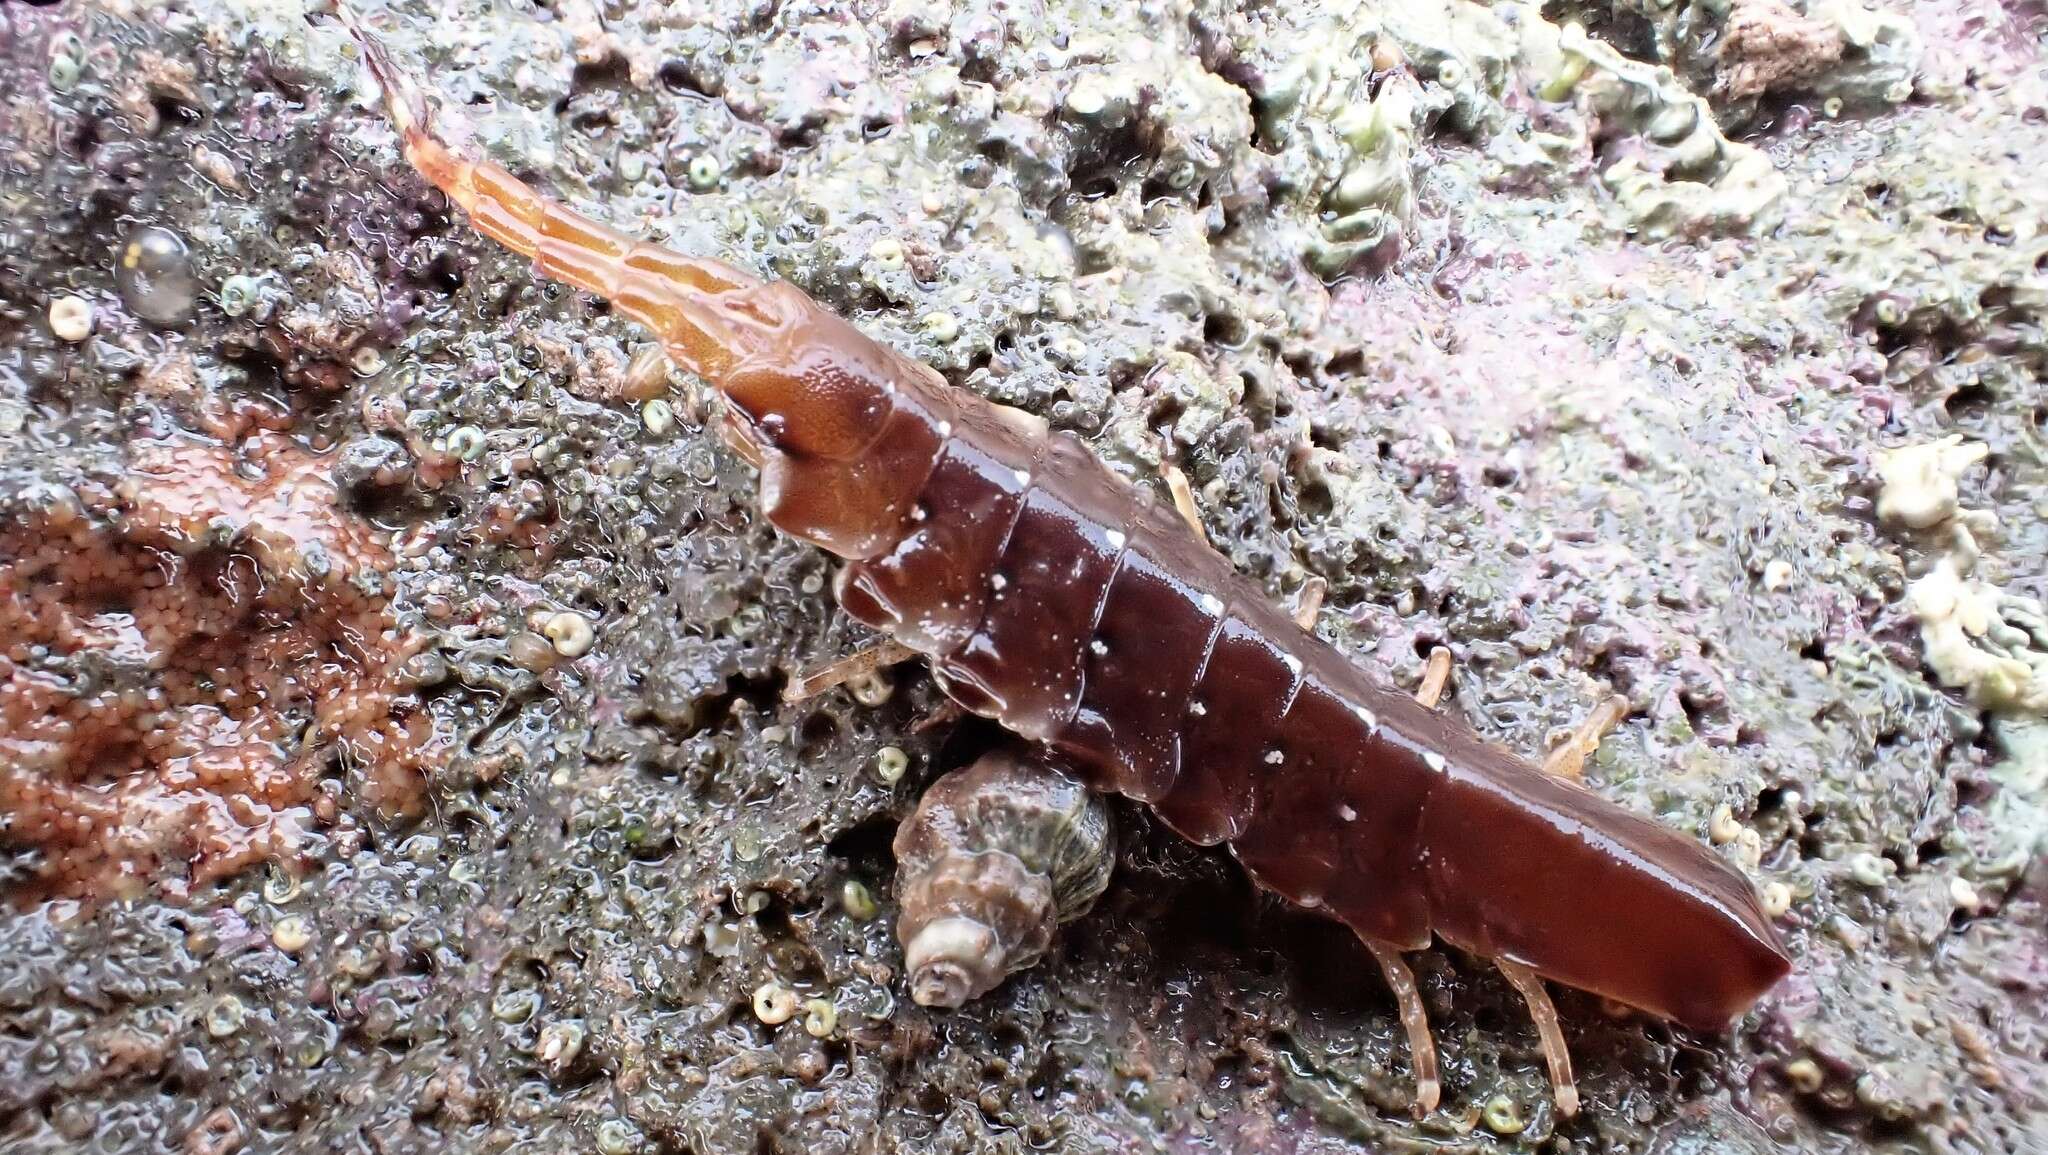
point(996, 856)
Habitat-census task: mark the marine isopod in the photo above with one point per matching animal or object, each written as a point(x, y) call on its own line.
point(1052, 596)
point(995, 857)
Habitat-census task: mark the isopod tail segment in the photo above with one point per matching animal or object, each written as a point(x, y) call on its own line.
point(1051, 596)
point(1564, 762)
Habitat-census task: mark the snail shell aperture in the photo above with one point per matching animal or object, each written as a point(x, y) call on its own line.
point(996, 856)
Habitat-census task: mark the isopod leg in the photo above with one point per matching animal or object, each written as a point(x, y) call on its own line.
point(1436, 674)
point(1569, 759)
point(1184, 499)
point(1541, 1009)
point(1308, 602)
point(742, 441)
point(856, 665)
point(1421, 1046)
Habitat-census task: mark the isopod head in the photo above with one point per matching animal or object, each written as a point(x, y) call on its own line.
point(996, 856)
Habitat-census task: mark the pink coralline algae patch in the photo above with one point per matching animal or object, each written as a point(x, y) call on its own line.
point(185, 660)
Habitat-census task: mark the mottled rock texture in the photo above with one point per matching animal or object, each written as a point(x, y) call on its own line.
point(1567, 337)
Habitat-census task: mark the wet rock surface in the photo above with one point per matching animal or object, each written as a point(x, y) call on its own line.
point(1577, 339)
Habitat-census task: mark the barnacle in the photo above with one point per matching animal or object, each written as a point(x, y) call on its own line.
point(997, 855)
point(1743, 50)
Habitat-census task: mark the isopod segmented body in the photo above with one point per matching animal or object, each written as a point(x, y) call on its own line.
point(1052, 596)
point(995, 857)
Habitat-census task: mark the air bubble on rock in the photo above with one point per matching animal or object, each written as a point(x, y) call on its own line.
point(153, 271)
point(313, 1049)
point(424, 669)
point(530, 651)
point(721, 940)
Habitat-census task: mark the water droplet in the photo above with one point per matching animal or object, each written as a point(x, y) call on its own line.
point(154, 273)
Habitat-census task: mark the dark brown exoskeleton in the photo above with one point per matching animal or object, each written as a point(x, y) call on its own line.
point(1050, 595)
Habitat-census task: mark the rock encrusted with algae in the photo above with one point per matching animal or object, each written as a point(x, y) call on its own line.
point(1845, 55)
point(1538, 97)
point(1668, 163)
point(185, 655)
point(1978, 638)
point(1919, 482)
point(1858, 58)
